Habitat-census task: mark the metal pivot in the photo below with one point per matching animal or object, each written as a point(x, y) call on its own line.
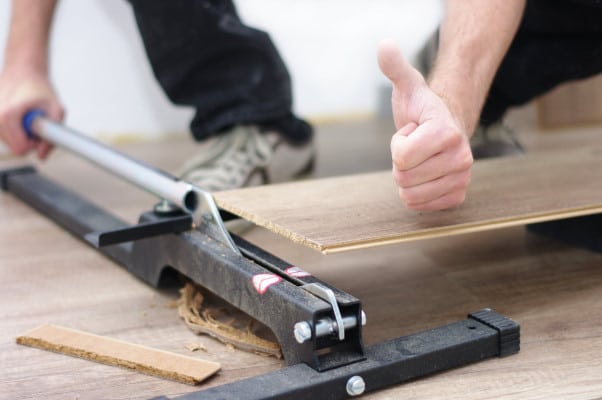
point(326, 294)
point(326, 326)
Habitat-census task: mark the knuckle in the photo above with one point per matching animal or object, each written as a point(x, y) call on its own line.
point(411, 197)
point(465, 160)
point(462, 181)
point(457, 198)
point(403, 178)
point(460, 185)
point(399, 159)
point(399, 152)
point(407, 196)
point(395, 173)
point(451, 136)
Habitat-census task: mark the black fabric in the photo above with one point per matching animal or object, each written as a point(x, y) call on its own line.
point(204, 56)
point(557, 41)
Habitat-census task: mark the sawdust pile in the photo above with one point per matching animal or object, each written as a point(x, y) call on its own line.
point(209, 315)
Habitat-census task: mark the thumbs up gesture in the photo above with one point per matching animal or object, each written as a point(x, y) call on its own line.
point(430, 150)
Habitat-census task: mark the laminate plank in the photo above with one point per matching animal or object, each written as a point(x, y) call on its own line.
point(358, 211)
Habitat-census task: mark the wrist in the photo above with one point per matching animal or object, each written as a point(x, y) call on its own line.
point(462, 101)
point(25, 61)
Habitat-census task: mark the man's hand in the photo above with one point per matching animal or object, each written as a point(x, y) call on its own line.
point(24, 83)
point(431, 152)
point(20, 92)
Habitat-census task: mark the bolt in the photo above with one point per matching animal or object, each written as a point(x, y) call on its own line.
point(302, 331)
point(164, 207)
point(355, 385)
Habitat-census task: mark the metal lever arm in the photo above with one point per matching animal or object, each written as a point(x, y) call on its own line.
point(147, 178)
point(185, 196)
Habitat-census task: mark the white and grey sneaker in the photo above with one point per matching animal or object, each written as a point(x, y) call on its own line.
point(245, 156)
point(495, 140)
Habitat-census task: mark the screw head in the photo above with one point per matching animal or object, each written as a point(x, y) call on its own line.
point(355, 386)
point(165, 207)
point(302, 331)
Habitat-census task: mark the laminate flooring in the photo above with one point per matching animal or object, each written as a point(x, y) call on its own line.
point(553, 290)
point(358, 211)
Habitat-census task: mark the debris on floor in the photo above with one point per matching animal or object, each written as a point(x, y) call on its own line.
point(209, 315)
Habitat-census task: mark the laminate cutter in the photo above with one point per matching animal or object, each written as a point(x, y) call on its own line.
point(318, 326)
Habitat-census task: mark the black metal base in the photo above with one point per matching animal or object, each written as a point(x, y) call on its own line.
point(585, 232)
point(324, 365)
point(483, 335)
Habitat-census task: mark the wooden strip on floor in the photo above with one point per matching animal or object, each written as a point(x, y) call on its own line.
point(116, 352)
point(351, 212)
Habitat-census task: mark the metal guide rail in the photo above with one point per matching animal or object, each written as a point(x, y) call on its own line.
point(318, 327)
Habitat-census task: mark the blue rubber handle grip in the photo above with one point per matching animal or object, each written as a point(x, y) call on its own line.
point(28, 119)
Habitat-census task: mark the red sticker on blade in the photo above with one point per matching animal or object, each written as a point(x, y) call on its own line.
point(262, 282)
point(296, 272)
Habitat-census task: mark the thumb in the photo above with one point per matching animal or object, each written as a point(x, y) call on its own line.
point(394, 66)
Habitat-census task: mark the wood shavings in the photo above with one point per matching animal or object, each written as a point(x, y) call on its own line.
point(192, 346)
point(210, 316)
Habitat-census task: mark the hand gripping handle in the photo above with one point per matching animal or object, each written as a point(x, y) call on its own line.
point(28, 119)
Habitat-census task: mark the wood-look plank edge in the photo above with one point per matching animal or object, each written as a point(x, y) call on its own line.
point(462, 229)
point(276, 228)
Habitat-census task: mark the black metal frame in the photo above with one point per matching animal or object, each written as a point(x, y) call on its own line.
point(319, 367)
point(584, 231)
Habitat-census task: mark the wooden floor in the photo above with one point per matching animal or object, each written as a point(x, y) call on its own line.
point(554, 291)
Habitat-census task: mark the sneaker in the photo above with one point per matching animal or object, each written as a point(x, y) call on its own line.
point(245, 156)
point(494, 141)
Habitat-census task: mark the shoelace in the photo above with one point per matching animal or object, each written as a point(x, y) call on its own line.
point(248, 151)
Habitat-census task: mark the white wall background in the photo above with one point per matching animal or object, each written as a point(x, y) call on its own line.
point(100, 70)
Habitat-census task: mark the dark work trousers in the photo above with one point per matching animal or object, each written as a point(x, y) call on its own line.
point(204, 56)
point(557, 41)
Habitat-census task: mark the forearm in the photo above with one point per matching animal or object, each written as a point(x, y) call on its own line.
point(27, 45)
point(474, 37)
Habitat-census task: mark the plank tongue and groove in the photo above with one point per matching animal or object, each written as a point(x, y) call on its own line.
point(116, 352)
point(351, 212)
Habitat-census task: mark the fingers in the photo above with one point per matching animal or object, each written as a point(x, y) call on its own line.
point(435, 167)
point(12, 132)
point(449, 200)
point(55, 112)
point(427, 140)
point(447, 191)
point(431, 167)
point(20, 93)
point(43, 149)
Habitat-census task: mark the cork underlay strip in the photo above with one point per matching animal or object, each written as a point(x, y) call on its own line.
point(115, 352)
